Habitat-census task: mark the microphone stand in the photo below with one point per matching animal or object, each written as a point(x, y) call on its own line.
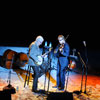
point(45, 47)
point(68, 69)
point(86, 68)
point(83, 65)
point(49, 62)
point(49, 59)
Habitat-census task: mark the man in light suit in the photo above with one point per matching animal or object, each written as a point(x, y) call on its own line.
point(62, 52)
point(34, 52)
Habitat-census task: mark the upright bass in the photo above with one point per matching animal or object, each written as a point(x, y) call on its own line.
point(12, 59)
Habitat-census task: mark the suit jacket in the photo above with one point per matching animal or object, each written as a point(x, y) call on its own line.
point(63, 56)
point(34, 52)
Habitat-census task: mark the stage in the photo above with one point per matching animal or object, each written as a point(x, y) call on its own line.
point(74, 84)
point(46, 83)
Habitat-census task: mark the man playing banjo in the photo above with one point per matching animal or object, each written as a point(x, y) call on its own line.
point(35, 59)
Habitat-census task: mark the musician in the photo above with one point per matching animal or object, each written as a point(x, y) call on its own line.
point(62, 52)
point(34, 52)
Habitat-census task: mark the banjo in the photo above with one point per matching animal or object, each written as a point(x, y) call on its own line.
point(40, 58)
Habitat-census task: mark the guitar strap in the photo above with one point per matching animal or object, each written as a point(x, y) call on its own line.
point(32, 59)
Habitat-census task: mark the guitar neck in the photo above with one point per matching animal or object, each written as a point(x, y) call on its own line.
point(46, 52)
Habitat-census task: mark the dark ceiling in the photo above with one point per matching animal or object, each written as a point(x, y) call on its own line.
point(20, 29)
point(22, 34)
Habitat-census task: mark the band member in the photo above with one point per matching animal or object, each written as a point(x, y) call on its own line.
point(34, 52)
point(62, 52)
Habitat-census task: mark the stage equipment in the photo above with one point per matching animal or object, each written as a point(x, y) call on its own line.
point(60, 96)
point(83, 67)
point(48, 48)
point(19, 60)
point(71, 65)
point(9, 88)
point(72, 59)
point(27, 78)
point(84, 42)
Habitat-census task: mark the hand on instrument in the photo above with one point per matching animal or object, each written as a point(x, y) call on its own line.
point(61, 47)
point(39, 58)
point(45, 56)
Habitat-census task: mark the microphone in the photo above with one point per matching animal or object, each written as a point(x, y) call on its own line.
point(84, 42)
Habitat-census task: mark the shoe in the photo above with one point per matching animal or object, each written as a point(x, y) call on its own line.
point(34, 91)
point(55, 86)
point(60, 88)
